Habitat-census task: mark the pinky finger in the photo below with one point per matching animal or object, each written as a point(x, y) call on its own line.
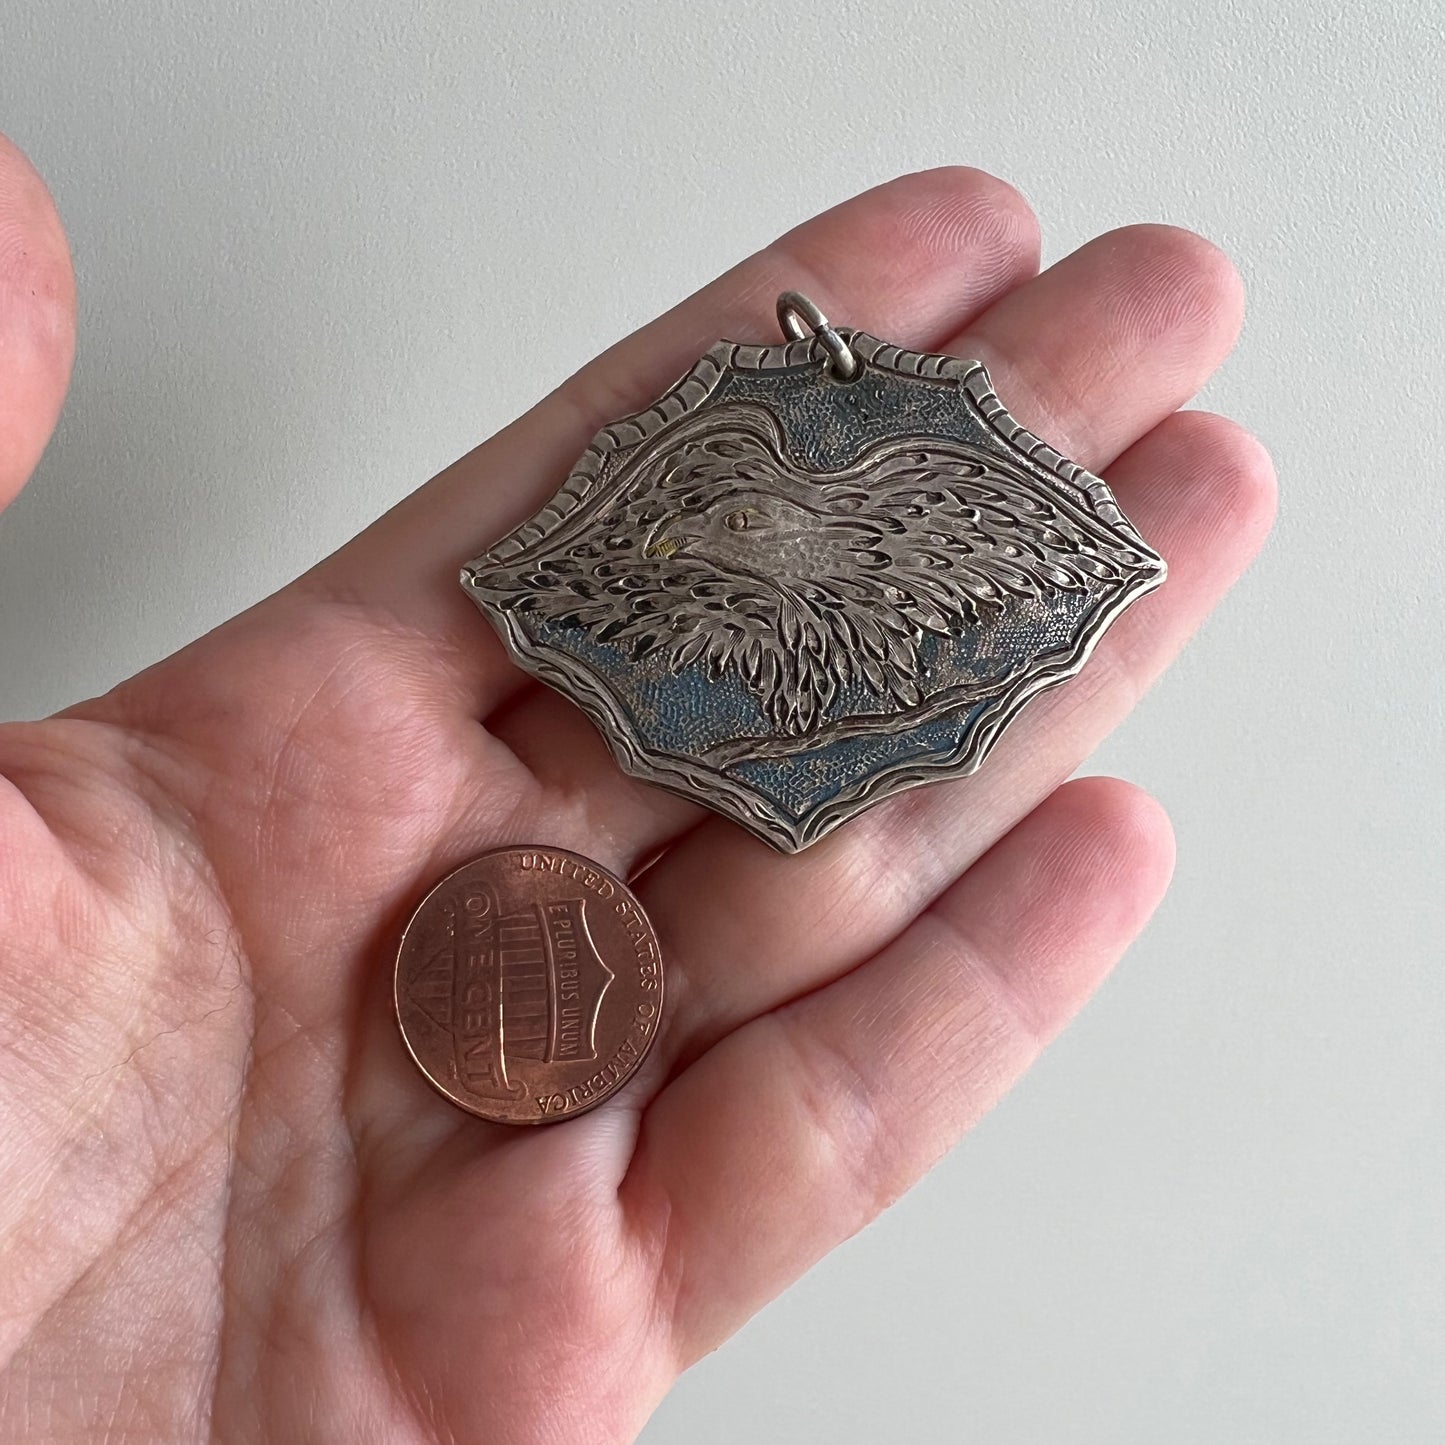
point(797, 1130)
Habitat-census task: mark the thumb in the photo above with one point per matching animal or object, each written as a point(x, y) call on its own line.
point(37, 319)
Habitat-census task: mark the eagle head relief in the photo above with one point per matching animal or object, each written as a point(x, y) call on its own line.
point(715, 549)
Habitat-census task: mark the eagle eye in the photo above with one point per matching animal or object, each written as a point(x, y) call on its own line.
point(736, 521)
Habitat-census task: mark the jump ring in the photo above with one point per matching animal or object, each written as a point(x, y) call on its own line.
point(794, 309)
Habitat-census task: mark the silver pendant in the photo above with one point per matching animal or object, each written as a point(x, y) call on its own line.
point(812, 575)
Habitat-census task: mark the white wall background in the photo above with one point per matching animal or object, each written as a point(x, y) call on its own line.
point(325, 245)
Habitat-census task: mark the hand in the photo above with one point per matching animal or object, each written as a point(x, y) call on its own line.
point(228, 1203)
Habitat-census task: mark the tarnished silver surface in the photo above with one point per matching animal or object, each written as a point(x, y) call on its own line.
point(788, 595)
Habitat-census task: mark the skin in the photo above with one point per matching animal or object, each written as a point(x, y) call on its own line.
point(228, 1205)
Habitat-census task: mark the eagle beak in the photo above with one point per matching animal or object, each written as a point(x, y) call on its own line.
point(668, 539)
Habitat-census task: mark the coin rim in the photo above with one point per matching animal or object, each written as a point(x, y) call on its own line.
point(416, 912)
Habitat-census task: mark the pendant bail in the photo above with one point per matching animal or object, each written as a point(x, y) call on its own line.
point(793, 310)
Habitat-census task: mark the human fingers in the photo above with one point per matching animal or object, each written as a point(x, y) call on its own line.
point(754, 929)
point(37, 319)
point(792, 1133)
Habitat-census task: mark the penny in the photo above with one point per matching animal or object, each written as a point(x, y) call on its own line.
point(528, 985)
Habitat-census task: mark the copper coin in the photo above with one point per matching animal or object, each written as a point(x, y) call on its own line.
point(529, 985)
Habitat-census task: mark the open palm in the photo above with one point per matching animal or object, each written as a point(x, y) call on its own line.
point(228, 1203)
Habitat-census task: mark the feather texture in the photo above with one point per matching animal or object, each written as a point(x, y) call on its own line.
point(717, 550)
